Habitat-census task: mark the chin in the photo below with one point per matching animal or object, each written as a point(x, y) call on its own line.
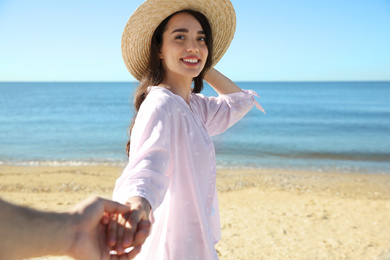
point(195, 74)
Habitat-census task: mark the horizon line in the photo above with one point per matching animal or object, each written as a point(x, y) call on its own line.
point(243, 81)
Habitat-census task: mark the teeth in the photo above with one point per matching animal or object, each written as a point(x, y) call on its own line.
point(190, 60)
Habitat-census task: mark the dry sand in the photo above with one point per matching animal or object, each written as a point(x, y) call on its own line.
point(265, 214)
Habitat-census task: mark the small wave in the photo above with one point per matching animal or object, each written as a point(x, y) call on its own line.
point(64, 163)
point(362, 157)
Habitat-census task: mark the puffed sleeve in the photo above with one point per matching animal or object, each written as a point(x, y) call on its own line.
point(145, 175)
point(220, 113)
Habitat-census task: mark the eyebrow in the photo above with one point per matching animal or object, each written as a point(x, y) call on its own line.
point(186, 31)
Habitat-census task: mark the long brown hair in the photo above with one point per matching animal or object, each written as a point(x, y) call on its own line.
point(155, 71)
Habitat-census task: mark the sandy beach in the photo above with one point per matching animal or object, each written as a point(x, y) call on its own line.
point(265, 214)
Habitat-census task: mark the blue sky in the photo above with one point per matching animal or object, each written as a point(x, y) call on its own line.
point(276, 40)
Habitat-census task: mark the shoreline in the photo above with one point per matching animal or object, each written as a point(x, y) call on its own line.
point(265, 213)
point(283, 167)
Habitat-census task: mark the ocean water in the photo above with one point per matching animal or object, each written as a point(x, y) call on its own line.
point(321, 126)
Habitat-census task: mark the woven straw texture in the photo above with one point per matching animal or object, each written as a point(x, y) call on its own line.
point(139, 29)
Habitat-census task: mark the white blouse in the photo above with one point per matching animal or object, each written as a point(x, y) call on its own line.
point(172, 165)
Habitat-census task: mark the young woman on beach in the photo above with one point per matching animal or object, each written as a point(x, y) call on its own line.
point(171, 46)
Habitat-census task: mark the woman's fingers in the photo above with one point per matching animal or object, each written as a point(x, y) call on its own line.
point(112, 230)
point(105, 219)
point(133, 220)
point(142, 232)
point(128, 234)
point(120, 249)
point(130, 255)
point(133, 252)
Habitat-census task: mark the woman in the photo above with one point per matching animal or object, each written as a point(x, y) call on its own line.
point(170, 178)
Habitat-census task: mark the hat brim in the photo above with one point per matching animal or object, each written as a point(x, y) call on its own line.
point(138, 32)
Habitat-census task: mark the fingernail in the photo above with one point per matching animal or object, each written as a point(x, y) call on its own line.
point(126, 242)
point(119, 249)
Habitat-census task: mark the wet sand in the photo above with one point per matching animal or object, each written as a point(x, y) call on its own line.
point(265, 214)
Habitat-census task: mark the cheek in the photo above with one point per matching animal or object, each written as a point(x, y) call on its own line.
point(164, 53)
point(168, 50)
point(205, 51)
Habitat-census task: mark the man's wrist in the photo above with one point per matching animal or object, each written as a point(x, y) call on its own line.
point(62, 232)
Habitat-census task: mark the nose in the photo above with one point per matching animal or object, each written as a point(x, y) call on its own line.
point(192, 46)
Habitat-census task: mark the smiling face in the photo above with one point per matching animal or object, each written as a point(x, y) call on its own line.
point(184, 51)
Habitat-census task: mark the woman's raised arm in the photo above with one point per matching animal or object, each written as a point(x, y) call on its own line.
point(220, 83)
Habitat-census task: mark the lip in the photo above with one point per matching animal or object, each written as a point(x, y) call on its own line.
point(189, 60)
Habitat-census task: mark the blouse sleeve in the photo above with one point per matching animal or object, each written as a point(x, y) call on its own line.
point(145, 175)
point(220, 113)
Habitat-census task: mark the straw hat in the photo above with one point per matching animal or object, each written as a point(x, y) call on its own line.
point(143, 22)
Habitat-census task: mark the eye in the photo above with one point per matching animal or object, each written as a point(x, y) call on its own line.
point(179, 37)
point(202, 39)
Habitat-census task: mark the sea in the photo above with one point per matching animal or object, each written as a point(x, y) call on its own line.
point(316, 126)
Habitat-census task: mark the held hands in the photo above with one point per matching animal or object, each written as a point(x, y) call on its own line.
point(98, 226)
point(130, 229)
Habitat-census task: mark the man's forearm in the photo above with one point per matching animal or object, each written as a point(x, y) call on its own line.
point(28, 233)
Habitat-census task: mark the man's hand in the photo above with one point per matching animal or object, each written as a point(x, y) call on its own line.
point(90, 223)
